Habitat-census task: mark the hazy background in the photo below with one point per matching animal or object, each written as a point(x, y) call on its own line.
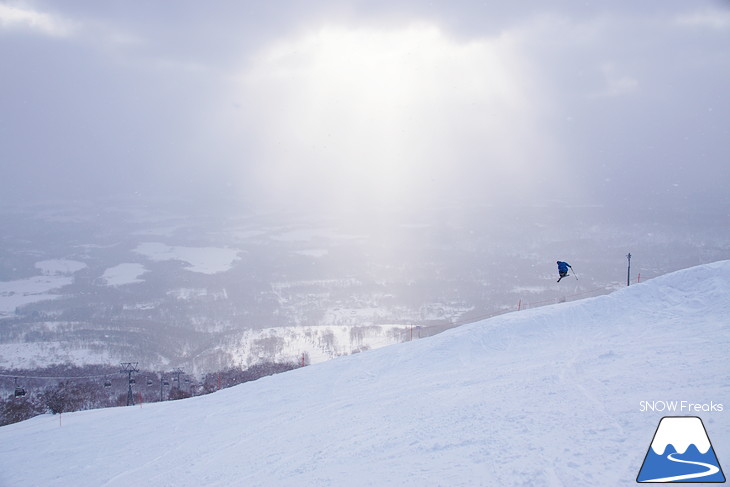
point(355, 164)
point(355, 105)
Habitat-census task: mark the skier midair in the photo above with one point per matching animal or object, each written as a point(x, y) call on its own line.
point(563, 269)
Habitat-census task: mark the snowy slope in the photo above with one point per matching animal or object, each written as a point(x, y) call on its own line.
point(544, 397)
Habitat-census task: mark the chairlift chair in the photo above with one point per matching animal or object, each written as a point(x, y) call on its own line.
point(19, 390)
point(149, 382)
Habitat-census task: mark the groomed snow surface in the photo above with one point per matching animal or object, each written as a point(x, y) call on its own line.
point(543, 397)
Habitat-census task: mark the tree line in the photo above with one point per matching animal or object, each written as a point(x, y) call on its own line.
point(94, 387)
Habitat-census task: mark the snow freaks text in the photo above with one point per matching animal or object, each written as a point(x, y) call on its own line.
point(680, 407)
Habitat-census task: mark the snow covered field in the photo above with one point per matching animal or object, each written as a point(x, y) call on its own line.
point(56, 273)
point(123, 274)
point(31, 290)
point(206, 260)
point(545, 397)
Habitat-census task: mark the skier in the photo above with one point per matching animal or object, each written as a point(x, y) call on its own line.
point(563, 269)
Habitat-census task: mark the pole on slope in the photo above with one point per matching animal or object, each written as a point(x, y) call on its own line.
point(628, 275)
point(162, 383)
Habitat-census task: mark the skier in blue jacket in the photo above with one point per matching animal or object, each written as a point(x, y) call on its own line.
point(563, 269)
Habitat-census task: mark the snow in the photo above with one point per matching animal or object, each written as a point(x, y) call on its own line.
point(548, 396)
point(122, 274)
point(56, 273)
point(20, 292)
point(186, 294)
point(205, 260)
point(32, 355)
point(320, 343)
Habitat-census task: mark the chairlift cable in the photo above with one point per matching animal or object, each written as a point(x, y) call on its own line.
point(52, 377)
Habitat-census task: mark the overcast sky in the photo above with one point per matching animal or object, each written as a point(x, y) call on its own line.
point(367, 103)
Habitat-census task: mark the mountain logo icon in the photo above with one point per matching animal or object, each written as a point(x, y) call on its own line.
point(680, 452)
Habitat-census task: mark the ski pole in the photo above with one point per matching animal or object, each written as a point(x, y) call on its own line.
point(574, 274)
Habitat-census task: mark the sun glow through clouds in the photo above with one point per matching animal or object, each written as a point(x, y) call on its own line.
point(375, 117)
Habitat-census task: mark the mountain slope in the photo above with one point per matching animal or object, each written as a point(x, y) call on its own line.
point(548, 396)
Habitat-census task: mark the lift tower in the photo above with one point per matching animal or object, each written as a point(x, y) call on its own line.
point(129, 368)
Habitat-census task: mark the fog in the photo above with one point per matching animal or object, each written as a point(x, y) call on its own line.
point(357, 105)
point(176, 175)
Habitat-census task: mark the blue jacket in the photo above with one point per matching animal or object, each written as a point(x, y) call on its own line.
point(563, 266)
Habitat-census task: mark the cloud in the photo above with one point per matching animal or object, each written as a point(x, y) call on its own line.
point(341, 104)
point(363, 116)
point(714, 19)
point(36, 21)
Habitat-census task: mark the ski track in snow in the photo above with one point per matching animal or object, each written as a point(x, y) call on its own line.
point(545, 396)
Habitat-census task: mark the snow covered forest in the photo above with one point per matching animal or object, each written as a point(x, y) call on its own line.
point(63, 389)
